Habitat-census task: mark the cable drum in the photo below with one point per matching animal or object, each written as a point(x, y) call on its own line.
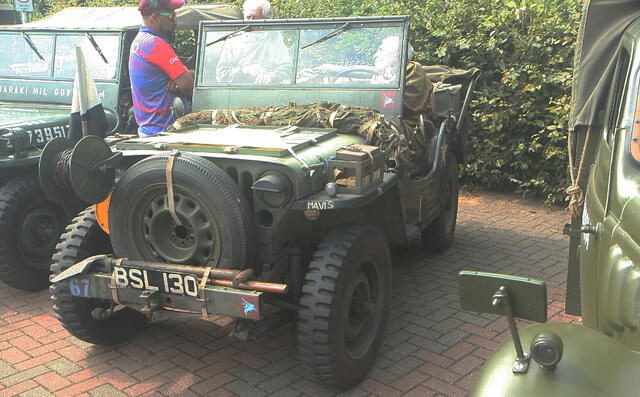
point(86, 170)
point(54, 177)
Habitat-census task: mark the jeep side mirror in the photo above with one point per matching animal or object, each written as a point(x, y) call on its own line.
point(510, 296)
point(528, 297)
point(177, 109)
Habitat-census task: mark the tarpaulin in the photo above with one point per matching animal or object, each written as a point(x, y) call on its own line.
point(599, 41)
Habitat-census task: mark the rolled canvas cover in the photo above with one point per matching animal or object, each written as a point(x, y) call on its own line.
point(601, 29)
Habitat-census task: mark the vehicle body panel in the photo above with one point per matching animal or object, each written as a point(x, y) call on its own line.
point(592, 365)
point(600, 358)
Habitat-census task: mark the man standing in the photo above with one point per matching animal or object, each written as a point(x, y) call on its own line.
point(157, 75)
point(259, 57)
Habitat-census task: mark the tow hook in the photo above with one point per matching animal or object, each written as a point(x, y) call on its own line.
point(242, 331)
point(101, 313)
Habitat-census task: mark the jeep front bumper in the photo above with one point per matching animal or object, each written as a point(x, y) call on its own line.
point(149, 287)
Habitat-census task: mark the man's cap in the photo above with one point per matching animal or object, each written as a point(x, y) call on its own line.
point(147, 7)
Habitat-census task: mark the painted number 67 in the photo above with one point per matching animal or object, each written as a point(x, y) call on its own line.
point(79, 287)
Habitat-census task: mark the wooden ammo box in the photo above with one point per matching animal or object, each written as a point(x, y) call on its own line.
point(356, 168)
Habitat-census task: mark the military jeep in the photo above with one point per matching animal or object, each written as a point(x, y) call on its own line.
point(253, 220)
point(601, 357)
point(36, 86)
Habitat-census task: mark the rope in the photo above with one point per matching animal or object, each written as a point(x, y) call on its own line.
point(62, 174)
point(575, 191)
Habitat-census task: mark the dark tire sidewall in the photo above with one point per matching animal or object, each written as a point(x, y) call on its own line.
point(23, 204)
point(322, 345)
point(84, 238)
point(196, 178)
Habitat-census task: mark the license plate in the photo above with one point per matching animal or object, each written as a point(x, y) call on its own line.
point(152, 280)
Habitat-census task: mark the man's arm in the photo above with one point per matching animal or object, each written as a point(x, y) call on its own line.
point(283, 63)
point(182, 85)
point(180, 80)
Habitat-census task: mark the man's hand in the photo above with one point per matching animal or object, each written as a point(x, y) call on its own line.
point(253, 69)
point(264, 78)
point(173, 87)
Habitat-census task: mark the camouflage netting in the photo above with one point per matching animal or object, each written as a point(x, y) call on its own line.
point(403, 150)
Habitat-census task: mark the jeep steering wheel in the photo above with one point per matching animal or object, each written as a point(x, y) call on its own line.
point(359, 73)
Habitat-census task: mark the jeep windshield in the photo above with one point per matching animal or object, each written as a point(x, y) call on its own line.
point(347, 56)
point(48, 55)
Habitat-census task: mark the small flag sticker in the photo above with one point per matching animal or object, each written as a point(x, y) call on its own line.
point(388, 100)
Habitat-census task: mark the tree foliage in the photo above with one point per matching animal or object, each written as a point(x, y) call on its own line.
point(525, 50)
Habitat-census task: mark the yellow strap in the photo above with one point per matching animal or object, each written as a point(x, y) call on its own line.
point(114, 288)
point(172, 203)
point(332, 118)
point(203, 283)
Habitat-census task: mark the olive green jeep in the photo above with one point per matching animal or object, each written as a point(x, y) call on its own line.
point(246, 219)
point(601, 357)
point(36, 86)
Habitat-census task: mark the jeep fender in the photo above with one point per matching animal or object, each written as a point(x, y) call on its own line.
point(592, 364)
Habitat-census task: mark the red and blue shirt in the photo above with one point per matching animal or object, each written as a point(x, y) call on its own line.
point(152, 63)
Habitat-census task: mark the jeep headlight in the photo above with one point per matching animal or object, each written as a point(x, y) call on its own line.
point(274, 189)
point(546, 349)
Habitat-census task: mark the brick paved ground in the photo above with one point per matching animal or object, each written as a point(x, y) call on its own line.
point(431, 348)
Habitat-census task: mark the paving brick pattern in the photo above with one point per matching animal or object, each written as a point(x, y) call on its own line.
point(431, 347)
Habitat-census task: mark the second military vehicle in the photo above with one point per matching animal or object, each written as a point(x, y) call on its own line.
point(601, 357)
point(36, 86)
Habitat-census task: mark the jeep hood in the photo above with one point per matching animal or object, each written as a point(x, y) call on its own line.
point(21, 116)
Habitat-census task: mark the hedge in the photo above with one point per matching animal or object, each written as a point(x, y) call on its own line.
point(525, 50)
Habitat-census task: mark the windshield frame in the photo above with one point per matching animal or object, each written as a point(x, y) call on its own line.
point(331, 24)
point(55, 34)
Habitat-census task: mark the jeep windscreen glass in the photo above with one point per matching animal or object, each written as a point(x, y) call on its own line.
point(362, 57)
point(24, 60)
point(253, 58)
point(225, 36)
point(96, 46)
point(65, 55)
point(327, 36)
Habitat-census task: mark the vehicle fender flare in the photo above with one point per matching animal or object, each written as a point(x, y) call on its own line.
point(586, 365)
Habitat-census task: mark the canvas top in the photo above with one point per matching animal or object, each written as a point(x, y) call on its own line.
point(124, 18)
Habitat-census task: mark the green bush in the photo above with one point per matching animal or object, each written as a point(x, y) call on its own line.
point(525, 50)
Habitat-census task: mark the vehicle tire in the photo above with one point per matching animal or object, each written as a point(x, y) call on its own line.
point(84, 238)
point(216, 221)
point(30, 226)
point(438, 236)
point(344, 305)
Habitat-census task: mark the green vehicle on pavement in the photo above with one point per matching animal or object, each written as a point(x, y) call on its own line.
point(245, 218)
point(600, 358)
point(36, 86)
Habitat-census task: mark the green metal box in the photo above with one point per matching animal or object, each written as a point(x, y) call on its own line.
point(356, 168)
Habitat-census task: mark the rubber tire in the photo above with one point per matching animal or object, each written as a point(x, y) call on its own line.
point(210, 190)
point(84, 238)
point(19, 198)
point(325, 303)
point(438, 236)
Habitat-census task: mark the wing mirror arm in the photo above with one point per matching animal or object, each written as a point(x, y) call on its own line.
point(501, 299)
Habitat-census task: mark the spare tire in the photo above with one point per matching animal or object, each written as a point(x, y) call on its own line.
point(216, 223)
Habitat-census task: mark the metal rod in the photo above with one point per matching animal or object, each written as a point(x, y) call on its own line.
point(501, 298)
point(254, 285)
point(226, 274)
point(222, 277)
